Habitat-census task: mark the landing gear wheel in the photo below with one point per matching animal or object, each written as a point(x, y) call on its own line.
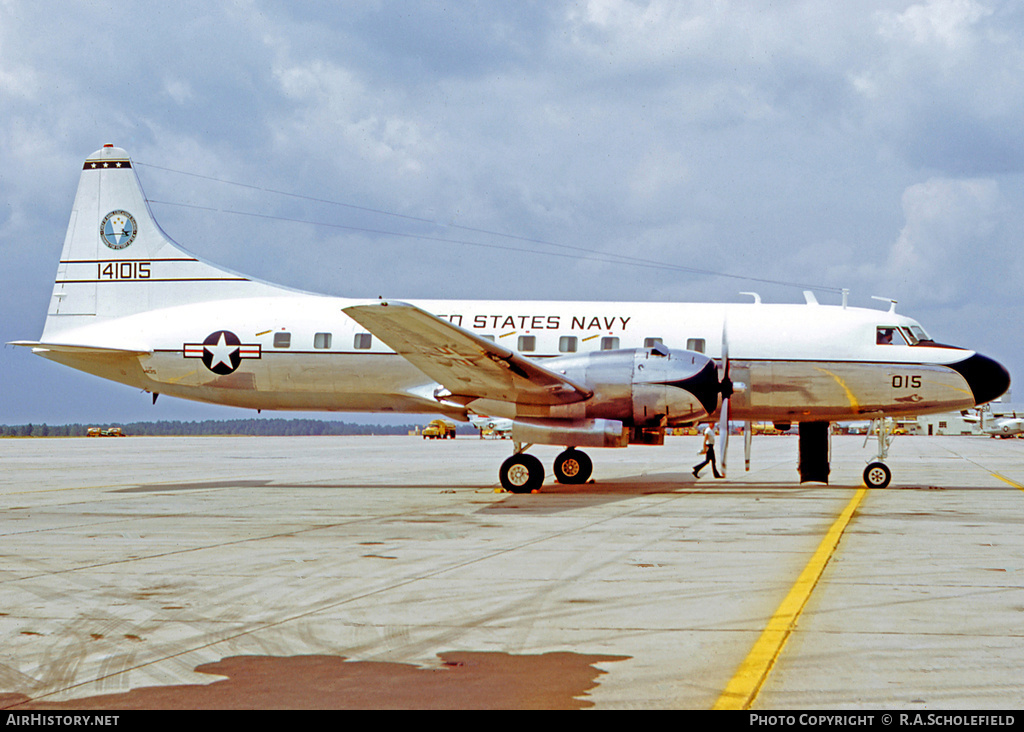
point(877, 475)
point(521, 473)
point(573, 467)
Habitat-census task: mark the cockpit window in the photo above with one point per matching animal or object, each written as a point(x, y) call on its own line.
point(889, 335)
point(912, 335)
point(917, 334)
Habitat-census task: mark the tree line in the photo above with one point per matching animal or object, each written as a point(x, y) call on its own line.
point(254, 427)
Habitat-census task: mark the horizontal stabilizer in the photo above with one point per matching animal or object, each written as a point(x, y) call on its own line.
point(467, 365)
point(42, 348)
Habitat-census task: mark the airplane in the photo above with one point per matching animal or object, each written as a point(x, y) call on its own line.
point(131, 305)
point(1000, 426)
point(500, 428)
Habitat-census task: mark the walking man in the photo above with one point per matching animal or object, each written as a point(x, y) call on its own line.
point(708, 452)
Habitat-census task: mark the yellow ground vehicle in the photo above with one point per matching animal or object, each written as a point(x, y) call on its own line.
point(99, 432)
point(439, 429)
point(679, 431)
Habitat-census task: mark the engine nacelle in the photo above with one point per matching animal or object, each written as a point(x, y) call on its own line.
point(637, 393)
point(642, 387)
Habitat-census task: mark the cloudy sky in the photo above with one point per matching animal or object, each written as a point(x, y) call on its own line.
point(522, 150)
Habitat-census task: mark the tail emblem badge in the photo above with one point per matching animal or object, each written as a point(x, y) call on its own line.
point(118, 229)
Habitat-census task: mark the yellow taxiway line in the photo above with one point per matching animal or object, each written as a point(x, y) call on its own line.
point(1018, 486)
point(742, 690)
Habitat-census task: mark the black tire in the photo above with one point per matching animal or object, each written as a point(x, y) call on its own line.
point(877, 475)
point(521, 473)
point(573, 467)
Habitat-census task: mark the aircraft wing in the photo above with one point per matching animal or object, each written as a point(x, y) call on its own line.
point(468, 366)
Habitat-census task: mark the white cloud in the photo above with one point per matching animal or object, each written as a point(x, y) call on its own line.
point(178, 90)
point(946, 246)
point(938, 86)
point(948, 24)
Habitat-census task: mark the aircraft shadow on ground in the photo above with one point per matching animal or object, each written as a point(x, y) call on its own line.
point(634, 484)
point(554, 497)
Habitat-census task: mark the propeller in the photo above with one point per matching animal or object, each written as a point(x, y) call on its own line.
point(725, 386)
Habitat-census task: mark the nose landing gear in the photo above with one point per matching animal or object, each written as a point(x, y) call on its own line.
point(877, 473)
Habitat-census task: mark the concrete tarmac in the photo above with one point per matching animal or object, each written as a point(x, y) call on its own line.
point(344, 572)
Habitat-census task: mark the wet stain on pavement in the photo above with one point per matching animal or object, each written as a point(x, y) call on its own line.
point(462, 680)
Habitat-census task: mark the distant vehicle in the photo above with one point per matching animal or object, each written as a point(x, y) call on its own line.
point(100, 432)
point(857, 428)
point(439, 429)
point(685, 431)
point(493, 427)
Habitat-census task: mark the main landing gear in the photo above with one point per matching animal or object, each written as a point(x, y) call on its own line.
point(573, 467)
point(524, 473)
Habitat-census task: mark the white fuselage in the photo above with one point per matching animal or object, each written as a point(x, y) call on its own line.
point(301, 352)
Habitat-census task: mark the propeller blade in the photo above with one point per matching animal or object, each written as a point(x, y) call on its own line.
point(725, 386)
point(723, 437)
point(748, 438)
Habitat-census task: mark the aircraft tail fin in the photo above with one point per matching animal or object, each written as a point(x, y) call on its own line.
point(117, 261)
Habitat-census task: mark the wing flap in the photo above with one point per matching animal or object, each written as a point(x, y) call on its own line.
point(468, 366)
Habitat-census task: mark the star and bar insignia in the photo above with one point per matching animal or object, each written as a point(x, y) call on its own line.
point(222, 351)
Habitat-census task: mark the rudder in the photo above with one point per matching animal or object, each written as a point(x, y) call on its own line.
point(117, 261)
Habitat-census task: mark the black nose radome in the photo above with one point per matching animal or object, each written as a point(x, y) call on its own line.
point(988, 379)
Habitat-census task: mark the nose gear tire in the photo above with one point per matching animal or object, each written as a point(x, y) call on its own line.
point(877, 475)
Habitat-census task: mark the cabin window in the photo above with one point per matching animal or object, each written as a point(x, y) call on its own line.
point(282, 340)
point(651, 342)
point(889, 335)
point(322, 340)
point(489, 337)
point(609, 343)
point(527, 343)
point(567, 344)
point(696, 344)
point(363, 341)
